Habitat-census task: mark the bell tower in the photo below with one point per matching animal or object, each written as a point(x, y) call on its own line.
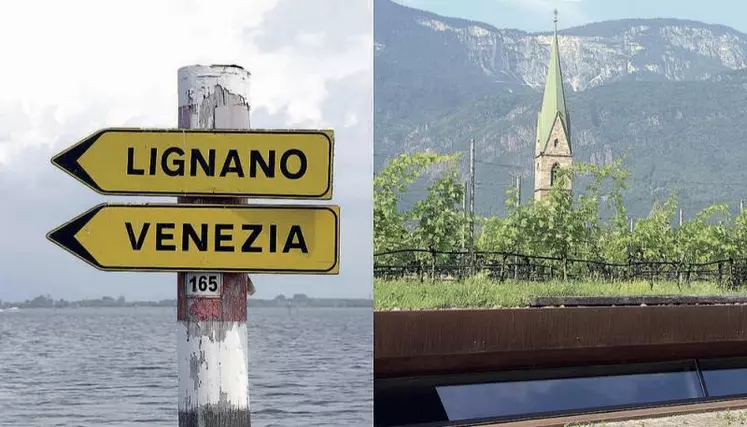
point(553, 145)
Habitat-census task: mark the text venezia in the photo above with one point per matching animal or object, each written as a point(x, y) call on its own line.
point(245, 238)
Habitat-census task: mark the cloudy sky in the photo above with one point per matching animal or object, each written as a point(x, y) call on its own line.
point(72, 67)
point(536, 15)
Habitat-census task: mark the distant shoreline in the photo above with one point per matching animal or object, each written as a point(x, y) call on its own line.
point(298, 300)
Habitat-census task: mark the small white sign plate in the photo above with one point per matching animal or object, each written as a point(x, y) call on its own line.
point(203, 285)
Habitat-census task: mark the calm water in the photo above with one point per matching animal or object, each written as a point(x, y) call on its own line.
point(117, 367)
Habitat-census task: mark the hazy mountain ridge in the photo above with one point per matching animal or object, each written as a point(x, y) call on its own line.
point(670, 93)
point(593, 54)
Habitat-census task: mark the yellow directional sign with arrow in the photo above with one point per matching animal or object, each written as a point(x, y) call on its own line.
point(289, 164)
point(218, 238)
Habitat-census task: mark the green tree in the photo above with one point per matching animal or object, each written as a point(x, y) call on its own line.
point(706, 237)
point(653, 238)
point(434, 223)
point(390, 231)
point(561, 226)
point(439, 220)
point(739, 235)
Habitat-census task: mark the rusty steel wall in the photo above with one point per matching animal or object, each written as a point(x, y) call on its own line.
point(411, 343)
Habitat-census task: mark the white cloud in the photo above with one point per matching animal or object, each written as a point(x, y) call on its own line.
point(72, 67)
point(124, 55)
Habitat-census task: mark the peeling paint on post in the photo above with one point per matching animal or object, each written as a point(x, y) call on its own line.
point(212, 345)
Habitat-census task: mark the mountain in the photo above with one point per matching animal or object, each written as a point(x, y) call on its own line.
point(670, 94)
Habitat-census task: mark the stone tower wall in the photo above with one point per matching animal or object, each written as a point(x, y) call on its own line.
point(543, 162)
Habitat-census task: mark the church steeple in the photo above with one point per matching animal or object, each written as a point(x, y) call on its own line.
point(553, 102)
point(553, 145)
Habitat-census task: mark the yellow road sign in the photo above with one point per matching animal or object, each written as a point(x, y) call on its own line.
point(287, 164)
point(193, 237)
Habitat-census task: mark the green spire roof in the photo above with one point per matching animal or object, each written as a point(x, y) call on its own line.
point(553, 103)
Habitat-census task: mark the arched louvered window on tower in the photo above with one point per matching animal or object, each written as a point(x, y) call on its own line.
point(554, 173)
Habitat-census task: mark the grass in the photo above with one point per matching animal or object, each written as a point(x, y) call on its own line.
point(482, 292)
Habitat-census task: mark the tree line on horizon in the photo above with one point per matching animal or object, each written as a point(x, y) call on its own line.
point(280, 300)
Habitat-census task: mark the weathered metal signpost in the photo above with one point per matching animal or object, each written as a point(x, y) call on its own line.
point(212, 238)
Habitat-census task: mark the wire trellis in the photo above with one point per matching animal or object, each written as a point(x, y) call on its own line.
point(457, 265)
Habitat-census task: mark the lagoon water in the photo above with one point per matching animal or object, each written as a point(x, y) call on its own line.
point(117, 367)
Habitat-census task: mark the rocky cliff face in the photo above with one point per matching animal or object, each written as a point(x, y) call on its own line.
point(592, 55)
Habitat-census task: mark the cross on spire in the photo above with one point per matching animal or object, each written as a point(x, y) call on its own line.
point(555, 19)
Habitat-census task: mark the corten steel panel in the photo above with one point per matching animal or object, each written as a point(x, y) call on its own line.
point(408, 343)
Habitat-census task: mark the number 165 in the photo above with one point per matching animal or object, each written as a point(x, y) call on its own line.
point(203, 283)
